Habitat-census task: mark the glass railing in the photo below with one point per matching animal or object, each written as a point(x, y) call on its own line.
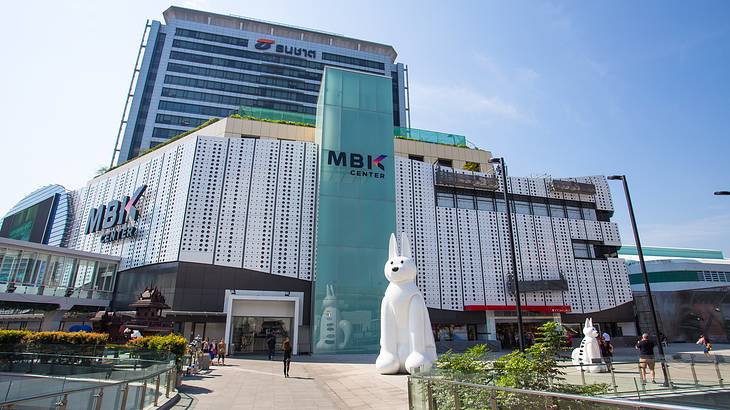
point(275, 115)
point(430, 393)
point(689, 376)
point(433, 137)
point(113, 379)
point(414, 134)
point(62, 291)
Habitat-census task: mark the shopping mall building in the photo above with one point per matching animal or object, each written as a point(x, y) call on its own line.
point(236, 220)
point(252, 225)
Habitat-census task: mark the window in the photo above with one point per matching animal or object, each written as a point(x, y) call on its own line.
point(240, 89)
point(241, 42)
point(557, 211)
point(416, 157)
point(573, 212)
point(501, 207)
point(235, 52)
point(443, 162)
point(589, 214)
point(539, 208)
point(521, 207)
point(353, 61)
point(465, 201)
point(195, 109)
point(485, 204)
point(582, 250)
point(445, 199)
point(245, 65)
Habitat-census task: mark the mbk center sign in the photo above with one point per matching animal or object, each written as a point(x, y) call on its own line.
point(115, 217)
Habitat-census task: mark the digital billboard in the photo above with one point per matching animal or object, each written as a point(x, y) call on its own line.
point(29, 224)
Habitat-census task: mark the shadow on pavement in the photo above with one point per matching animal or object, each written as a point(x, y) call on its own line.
point(192, 390)
point(319, 358)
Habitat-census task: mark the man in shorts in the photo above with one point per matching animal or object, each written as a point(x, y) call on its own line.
point(646, 357)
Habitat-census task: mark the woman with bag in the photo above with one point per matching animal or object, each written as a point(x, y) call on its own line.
point(287, 355)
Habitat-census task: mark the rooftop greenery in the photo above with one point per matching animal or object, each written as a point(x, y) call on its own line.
point(410, 135)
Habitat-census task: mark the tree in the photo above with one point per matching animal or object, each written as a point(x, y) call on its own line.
point(101, 171)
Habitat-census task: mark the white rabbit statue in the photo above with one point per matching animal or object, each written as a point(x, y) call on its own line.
point(330, 323)
point(406, 339)
point(589, 353)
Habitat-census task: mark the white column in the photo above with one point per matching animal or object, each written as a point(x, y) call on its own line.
point(52, 320)
point(491, 325)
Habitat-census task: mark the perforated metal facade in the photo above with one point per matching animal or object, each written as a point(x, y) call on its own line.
point(252, 203)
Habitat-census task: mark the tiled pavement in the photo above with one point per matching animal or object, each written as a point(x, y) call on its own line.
point(315, 383)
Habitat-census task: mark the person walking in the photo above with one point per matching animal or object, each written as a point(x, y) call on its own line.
point(213, 351)
point(646, 357)
point(287, 355)
point(205, 348)
point(222, 352)
point(706, 345)
point(271, 344)
point(606, 350)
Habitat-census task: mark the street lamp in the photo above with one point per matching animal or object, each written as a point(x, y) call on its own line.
point(518, 303)
point(647, 287)
point(722, 193)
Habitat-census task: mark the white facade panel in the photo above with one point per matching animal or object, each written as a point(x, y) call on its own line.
point(234, 203)
point(471, 258)
point(202, 211)
point(288, 210)
point(259, 228)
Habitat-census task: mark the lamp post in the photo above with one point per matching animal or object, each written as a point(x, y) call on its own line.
point(518, 303)
point(647, 287)
point(723, 193)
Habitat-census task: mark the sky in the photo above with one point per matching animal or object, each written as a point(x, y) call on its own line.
point(557, 88)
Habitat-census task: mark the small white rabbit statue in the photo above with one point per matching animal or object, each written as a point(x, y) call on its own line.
point(330, 323)
point(589, 353)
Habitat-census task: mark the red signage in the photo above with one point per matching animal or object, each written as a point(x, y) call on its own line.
point(528, 308)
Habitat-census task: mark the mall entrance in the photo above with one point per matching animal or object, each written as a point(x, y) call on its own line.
point(506, 327)
point(254, 316)
point(250, 333)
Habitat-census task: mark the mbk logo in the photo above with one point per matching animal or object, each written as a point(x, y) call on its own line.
point(263, 44)
point(357, 161)
point(114, 213)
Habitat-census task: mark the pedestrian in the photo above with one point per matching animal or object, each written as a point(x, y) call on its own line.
point(287, 355)
point(663, 340)
point(271, 344)
point(213, 351)
point(205, 347)
point(606, 350)
point(646, 357)
point(222, 352)
point(706, 345)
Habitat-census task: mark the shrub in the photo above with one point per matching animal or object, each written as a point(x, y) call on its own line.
point(74, 338)
point(11, 337)
point(171, 343)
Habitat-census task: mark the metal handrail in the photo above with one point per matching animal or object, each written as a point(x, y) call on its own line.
point(86, 357)
point(567, 396)
point(82, 389)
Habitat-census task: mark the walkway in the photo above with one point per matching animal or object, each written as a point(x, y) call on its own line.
point(315, 383)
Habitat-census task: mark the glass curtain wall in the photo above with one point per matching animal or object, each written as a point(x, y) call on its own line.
point(55, 275)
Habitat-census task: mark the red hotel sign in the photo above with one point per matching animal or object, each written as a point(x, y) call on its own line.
point(528, 308)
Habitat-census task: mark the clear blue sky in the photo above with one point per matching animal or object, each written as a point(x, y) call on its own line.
point(560, 88)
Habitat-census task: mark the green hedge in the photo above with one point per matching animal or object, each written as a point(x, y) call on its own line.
point(172, 343)
point(27, 337)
